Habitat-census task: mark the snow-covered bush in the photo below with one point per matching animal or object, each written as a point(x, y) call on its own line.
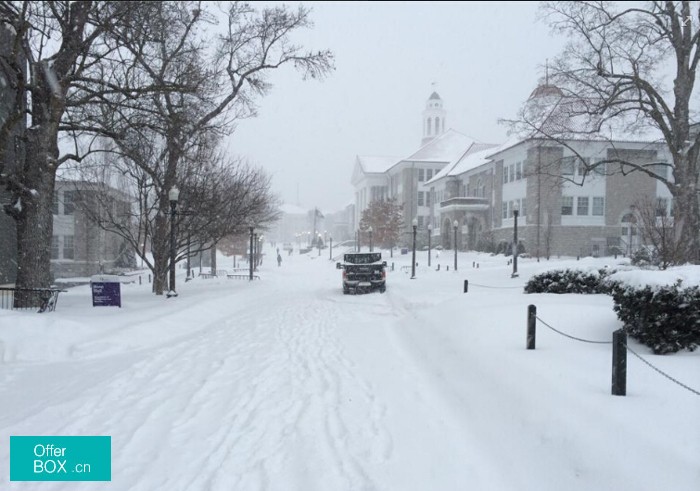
point(665, 318)
point(569, 281)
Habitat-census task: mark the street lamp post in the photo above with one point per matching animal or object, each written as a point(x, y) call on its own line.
point(188, 255)
point(430, 233)
point(319, 243)
point(455, 224)
point(413, 262)
point(261, 244)
point(173, 195)
point(370, 239)
point(516, 210)
point(250, 254)
point(330, 242)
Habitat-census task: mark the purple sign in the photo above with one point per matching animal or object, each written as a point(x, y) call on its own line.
point(106, 293)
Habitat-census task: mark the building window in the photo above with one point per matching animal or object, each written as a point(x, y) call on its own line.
point(518, 171)
point(567, 166)
point(510, 209)
point(421, 175)
point(598, 206)
point(428, 126)
point(54, 247)
point(68, 251)
point(504, 207)
point(661, 207)
point(420, 221)
point(428, 198)
point(660, 170)
point(511, 173)
point(599, 168)
point(582, 206)
point(523, 207)
point(437, 126)
point(505, 174)
point(567, 205)
point(54, 205)
point(430, 174)
point(420, 198)
point(68, 202)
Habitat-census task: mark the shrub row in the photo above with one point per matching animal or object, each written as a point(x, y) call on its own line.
point(569, 281)
point(667, 319)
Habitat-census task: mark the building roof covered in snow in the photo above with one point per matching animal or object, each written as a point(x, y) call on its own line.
point(375, 163)
point(444, 148)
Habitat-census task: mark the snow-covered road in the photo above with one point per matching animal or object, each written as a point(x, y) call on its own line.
point(286, 384)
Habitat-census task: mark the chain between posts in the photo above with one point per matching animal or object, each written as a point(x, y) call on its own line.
point(495, 287)
point(573, 337)
point(643, 360)
point(662, 373)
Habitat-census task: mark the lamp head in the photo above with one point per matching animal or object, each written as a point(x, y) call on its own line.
point(173, 194)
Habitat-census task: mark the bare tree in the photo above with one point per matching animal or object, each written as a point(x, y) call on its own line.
point(657, 232)
point(219, 197)
point(209, 82)
point(54, 43)
point(611, 78)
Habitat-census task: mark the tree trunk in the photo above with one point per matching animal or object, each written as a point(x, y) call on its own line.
point(160, 252)
point(686, 224)
point(213, 259)
point(33, 209)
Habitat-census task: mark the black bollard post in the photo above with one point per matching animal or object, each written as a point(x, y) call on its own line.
point(531, 326)
point(438, 268)
point(149, 278)
point(466, 286)
point(139, 279)
point(392, 266)
point(619, 363)
point(477, 265)
point(473, 264)
point(448, 268)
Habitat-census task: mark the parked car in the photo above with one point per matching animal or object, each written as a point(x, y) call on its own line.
point(363, 272)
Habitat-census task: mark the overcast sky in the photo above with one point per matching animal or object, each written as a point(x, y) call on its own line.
point(484, 58)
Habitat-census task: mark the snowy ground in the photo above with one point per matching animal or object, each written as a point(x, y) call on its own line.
point(287, 384)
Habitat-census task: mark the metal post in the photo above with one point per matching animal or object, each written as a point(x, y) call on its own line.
point(455, 248)
point(531, 325)
point(371, 249)
point(619, 363)
point(515, 244)
point(250, 255)
point(188, 254)
point(466, 286)
point(172, 292)
point(430, 233)
point(330, 240)
point(413, 262)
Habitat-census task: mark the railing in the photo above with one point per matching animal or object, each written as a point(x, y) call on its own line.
point(43, 299)
point(465, 201)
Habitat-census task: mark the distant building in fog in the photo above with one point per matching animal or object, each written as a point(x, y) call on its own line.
point(79, 247)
